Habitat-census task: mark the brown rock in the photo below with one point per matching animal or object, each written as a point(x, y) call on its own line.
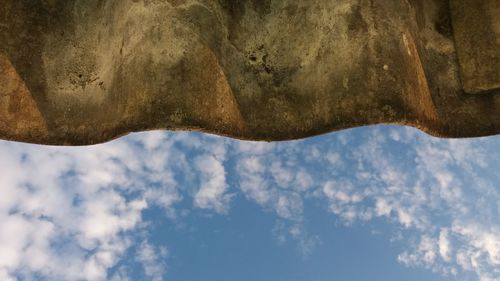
point(87, 71)
point(19, 114)
point(477, 37)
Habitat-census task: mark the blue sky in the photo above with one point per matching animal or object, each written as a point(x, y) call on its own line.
point(373, 203)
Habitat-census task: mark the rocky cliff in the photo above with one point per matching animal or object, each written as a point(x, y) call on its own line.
point(86, 71)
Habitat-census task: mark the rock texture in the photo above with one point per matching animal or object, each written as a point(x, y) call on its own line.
point(86, 71)
point(477, 36)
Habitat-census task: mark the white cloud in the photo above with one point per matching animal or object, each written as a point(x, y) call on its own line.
point(264, 179)
point(303, 180)
point(424, 186)
point(420, 184)
point(333, 158)
point(74, 213)
point(434, 199)
point(63, 215)
point(289, 206)
point(382, 207)
point(212, 192)
point(152, 261)
point(444, 245)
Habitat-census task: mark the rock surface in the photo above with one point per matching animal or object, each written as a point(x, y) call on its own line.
point(477, 35)
point(86, 71)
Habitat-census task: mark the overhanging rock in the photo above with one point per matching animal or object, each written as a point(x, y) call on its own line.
point(86, 71)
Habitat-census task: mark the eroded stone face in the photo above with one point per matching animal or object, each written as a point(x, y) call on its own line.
point(91, 70)
point(477, 37)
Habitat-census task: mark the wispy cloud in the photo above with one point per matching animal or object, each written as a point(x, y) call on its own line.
point(75, 213)
point(152, 260)
point(442, 193)
point(212, 193)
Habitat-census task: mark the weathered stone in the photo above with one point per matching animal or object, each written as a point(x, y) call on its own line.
point(477, 35)
point(87, 71)
point(19, 113)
